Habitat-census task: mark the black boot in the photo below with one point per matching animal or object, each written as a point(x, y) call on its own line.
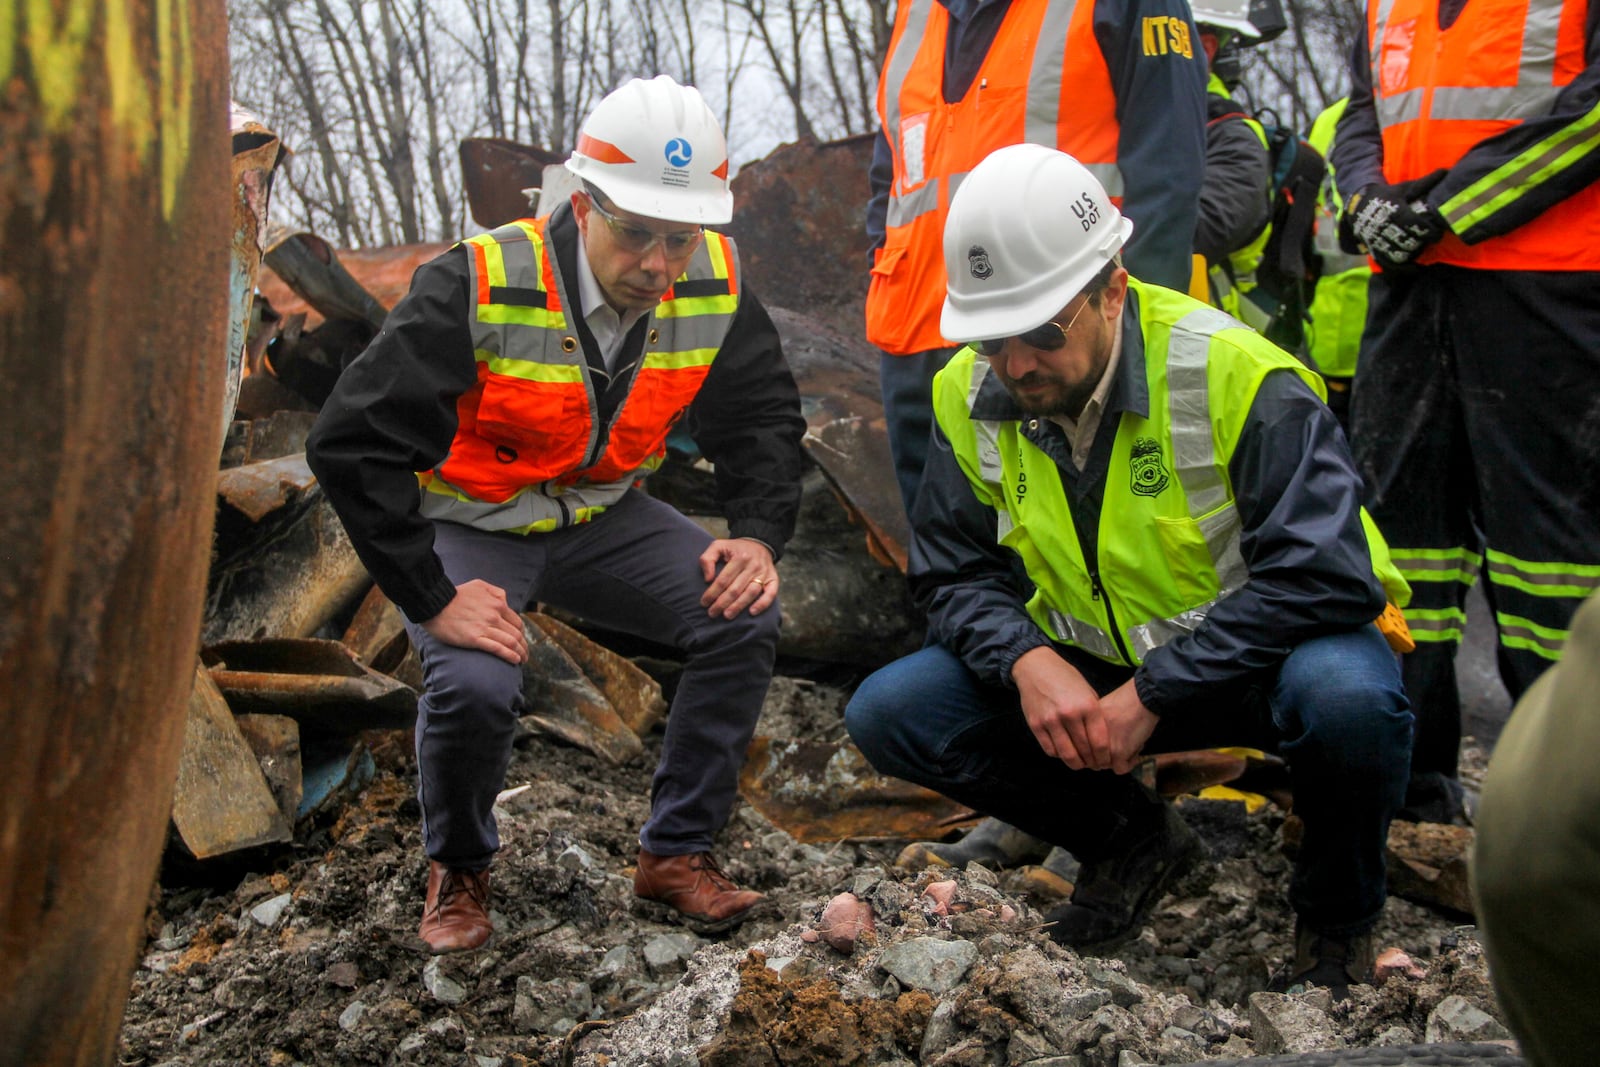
point(1330, 963)
point(1115, 895)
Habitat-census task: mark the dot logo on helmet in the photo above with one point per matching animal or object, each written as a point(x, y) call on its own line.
point(978, 262)
point(679, 152)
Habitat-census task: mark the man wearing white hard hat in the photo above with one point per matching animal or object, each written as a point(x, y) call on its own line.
point(486, 452)
point(1198, 571)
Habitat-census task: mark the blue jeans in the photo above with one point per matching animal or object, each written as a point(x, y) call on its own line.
point(1335, 710)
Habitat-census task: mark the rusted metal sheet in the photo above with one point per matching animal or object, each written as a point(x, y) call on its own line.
point(256, 155)
point(318, 684)
point(385, 273)
point(798, 221)
point(845, 429)
point(222, 802)
point(1428, 865)
point(633, 694)
point(115, 153)
point(495, 171)
point(285, 566)
point(564, 702)
point(309, 266)
point(821, 791)
point(275, 741)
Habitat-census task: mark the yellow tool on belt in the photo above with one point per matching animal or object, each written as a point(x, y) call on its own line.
point(1392, 625)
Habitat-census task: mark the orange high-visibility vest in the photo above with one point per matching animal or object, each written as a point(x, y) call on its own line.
point(530, 453)
point(1044, 81)
point(1439, 92)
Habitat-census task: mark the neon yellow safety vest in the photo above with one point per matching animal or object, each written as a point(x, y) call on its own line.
point(1230, 283)
point(1168, 541)
point(1339, 308)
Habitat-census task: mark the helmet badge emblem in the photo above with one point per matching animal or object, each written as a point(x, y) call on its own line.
point(978, 262)
point(679, 152)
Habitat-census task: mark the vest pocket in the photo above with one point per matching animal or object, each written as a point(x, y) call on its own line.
point(542, 427)
point(1187, 558)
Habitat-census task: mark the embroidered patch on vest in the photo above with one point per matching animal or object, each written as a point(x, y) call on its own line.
point(978, 262)
point(1149, 475)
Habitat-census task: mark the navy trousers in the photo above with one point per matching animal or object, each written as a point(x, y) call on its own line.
point(634, 569)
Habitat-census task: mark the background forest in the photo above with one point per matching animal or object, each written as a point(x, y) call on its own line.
point(373, 96)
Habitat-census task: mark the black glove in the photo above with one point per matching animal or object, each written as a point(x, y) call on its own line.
point(1392, 222)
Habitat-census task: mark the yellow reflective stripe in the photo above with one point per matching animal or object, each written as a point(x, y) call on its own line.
point(1436, 637)
point(1435, 624)
point(532, 371)
point(494, 260)
point(1506, 183)
point(1437, 564)
point(1517, 632)
point(516, 315)
point(686, 307)
point(1544, 579)
point(692, 357)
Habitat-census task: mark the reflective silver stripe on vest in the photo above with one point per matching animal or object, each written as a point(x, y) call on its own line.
point(894, 75)
point(1532, 96)
point(1194, 461)
point(918, 202)
point(1091, 639)
point(1043, 117)
point(1145, 639)
point(987, 441)
point(529, 507)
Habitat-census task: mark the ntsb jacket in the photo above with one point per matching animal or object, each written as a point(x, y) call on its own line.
point(1280, 554)
point(508, 432)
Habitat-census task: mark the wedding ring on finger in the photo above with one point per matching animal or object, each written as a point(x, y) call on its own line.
point(758, 581)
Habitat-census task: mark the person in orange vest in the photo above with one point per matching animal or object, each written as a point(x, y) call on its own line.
point(1120, 84)
point(487, 451)
point(1468, 156)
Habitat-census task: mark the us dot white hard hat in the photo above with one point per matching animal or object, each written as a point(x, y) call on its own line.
point(655, 149)
point(1028, 229)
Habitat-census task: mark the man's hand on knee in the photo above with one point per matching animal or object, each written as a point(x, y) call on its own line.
point(1062, 710)
point(479, 617)
point(748, 580)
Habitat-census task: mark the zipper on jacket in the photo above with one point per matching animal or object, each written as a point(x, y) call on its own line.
point(1111, 616)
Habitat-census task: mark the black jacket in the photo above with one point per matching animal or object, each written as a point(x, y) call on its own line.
point(1298, 497)
point(393, 413)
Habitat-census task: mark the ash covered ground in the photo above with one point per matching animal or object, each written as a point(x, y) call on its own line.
point(308, 955)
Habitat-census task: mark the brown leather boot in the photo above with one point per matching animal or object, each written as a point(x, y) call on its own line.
point(694, 891)
point(456, 915)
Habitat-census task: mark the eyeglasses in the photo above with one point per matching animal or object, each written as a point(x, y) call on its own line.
point(1050, 337)
point(637, 240)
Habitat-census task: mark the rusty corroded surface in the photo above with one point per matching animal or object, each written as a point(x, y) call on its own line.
point(222, 802)
point(383, 272)
point(494, 171)
point(635, 696)
point(823, 791)
point(114, 197)
point(563, 701)
point(319, 684)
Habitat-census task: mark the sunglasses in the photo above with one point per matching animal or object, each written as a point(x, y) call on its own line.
point(637, 240)
point(1050, 337)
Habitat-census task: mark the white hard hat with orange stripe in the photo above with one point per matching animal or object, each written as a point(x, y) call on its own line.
point(655, 149)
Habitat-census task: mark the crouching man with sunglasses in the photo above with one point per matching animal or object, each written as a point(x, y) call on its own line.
point(486, 452)
point(1139, 531)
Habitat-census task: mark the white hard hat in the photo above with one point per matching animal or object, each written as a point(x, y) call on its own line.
point(1226, 15)
point(655, 149)
point(1029, 228)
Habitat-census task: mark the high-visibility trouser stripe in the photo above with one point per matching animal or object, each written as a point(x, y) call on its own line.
point(1194, 458)
point(1527, 635)
point(1543, 579)
point(1043, 115)
point(900, 62)
point(1437, 564)
point(530, 370)
point(1085, 635)
point(1531, 168)
point(1435, 625)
